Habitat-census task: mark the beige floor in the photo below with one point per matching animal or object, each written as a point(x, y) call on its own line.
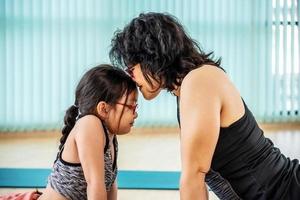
point(156, 149)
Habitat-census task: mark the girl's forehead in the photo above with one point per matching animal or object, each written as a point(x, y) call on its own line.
point(132, 96)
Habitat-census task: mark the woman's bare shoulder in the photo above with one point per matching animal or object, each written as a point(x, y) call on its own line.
point(205, 76)
point(208, 71)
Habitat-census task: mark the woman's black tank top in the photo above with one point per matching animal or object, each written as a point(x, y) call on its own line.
point(252, 165)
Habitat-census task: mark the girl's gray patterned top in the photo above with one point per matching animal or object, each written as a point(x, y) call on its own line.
point(68, 179)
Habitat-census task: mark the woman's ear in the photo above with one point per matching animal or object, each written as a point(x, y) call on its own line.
point(102, 109)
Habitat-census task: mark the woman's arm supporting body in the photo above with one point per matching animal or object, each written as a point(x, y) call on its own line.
point(200, 108)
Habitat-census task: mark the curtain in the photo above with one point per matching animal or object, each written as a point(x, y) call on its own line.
point(47, 45)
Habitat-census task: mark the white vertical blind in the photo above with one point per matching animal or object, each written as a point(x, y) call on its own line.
point(285, 101)
point(46, 46)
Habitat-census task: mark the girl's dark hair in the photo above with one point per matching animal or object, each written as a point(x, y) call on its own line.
point(159, 43)
point(101, 83)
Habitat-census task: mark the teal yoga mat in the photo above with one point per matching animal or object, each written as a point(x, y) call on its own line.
point(127, 179)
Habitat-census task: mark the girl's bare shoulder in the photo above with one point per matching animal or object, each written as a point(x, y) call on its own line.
point(88, 123)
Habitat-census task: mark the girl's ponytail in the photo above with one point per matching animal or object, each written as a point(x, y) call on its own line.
point(69, 120)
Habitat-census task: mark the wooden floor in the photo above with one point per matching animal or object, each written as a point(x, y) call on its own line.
point(143, 149)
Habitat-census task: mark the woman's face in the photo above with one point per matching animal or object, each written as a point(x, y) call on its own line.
point(122, 116)
point(149, 91)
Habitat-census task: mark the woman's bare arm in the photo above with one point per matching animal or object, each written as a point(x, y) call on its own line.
point(200, 108)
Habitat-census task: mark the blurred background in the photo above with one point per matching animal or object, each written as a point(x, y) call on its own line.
point(47, 45)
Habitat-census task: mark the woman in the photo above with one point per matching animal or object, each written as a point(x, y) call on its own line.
point(220, 139)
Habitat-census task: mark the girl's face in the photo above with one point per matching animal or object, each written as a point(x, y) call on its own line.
point(121, 117)
point(149, 92)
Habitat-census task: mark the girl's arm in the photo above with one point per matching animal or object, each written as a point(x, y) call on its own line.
point(112, 194)
point(90, 142)
point(200, 108)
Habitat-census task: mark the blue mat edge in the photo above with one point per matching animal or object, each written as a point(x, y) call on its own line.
point(127, 179)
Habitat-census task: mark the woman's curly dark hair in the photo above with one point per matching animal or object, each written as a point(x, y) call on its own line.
point(159, 43)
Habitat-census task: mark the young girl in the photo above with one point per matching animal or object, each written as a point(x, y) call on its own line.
point(86, 164)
